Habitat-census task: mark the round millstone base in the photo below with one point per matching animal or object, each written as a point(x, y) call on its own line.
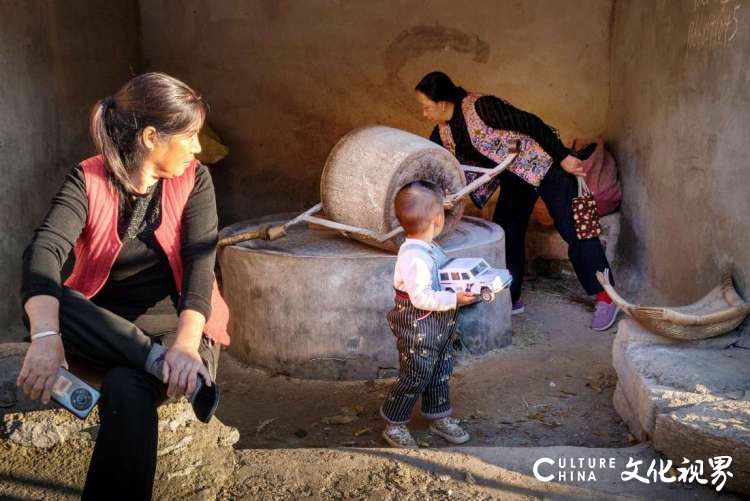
point(313, 304)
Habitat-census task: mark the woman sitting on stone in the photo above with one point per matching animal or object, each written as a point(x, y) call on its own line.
point(479, 130)
point(141, 218)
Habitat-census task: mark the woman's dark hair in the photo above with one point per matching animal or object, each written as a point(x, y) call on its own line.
point(439, 87)
point(151, 99)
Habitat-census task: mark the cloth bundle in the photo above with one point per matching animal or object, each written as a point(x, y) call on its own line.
point(601, 174)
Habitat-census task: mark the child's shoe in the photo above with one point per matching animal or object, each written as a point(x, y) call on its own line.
point(448, 428)
point(397, 435)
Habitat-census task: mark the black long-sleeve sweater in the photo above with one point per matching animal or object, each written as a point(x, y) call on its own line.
point(141, 281)
point(498, 114)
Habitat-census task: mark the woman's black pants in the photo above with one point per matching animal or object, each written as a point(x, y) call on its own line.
point(123, 463)
point(512, 213)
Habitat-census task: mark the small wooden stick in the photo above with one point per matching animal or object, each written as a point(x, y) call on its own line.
point(267, 232)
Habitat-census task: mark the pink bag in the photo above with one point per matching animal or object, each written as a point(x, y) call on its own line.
point(601, 176)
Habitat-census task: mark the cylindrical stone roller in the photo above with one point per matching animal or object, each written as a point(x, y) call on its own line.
point(368, 166)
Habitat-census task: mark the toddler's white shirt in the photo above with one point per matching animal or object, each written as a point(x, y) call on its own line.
point(414, 275)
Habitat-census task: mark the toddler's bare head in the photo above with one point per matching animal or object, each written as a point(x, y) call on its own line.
point(417, 205)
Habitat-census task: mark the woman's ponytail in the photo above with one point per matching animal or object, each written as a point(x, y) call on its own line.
point(153, 100)
point(105, 144)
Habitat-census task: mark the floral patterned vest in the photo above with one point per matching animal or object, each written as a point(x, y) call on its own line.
point(531, 164)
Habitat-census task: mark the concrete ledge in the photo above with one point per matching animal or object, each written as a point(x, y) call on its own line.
point(690, 398)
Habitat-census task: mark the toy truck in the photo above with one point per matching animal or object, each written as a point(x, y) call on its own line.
point(474, 276)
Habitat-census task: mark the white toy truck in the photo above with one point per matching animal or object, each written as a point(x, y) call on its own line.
point(473, 276)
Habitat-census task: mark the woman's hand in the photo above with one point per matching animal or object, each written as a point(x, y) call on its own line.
point(46, 355)
point(39, 371)
point(182, 364)
point(573, 165)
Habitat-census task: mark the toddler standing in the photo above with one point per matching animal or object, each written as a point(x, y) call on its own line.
point(423, 321)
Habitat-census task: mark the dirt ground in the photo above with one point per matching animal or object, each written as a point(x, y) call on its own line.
point(466, 473)
point(547, 395)
point(553, 386)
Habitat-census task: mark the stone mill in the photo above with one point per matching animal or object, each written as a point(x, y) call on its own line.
point(313, 304)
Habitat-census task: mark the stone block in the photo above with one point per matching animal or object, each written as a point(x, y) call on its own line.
point(691, 398)
point(705, 431)
point(46, 450)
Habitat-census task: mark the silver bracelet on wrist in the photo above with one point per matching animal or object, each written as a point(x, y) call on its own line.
point(43, 334)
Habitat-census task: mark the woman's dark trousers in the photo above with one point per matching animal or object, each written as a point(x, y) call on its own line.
point(512, 213)
point(123, 463)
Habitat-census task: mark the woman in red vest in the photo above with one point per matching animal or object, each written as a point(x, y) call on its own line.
point(142, 302)
point(478, 130)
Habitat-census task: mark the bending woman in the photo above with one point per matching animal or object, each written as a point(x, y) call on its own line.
point(478, 130)
point(141, 218)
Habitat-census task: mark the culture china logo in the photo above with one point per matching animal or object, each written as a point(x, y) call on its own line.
point(586, 469)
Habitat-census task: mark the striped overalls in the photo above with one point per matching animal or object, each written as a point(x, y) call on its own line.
point(425, 347)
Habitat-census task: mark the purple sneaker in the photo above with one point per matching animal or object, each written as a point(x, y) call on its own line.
point(604, 316)
point(517, 307)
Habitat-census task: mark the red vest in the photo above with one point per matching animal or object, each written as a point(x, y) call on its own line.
point(98, 245)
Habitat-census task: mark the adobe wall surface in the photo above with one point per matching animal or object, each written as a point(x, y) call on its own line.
point(678, 121)
point(58, 58)
point(285, 80)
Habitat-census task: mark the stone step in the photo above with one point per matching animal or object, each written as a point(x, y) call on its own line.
point(692, 399)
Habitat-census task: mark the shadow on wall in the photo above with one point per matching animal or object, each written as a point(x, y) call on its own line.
point(412, 43)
